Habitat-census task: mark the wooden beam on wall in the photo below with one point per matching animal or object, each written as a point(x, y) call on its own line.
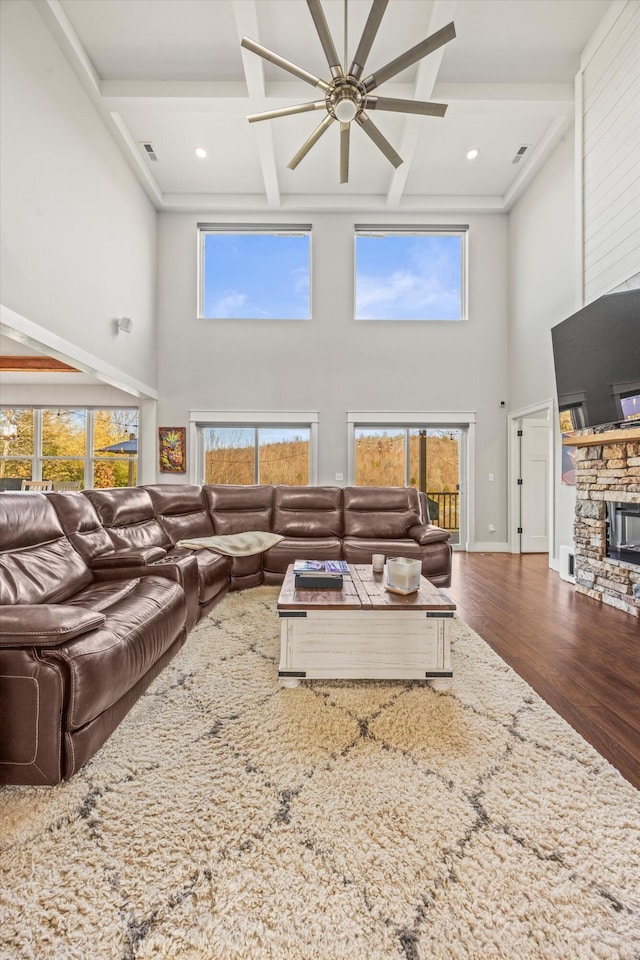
point(34, 365)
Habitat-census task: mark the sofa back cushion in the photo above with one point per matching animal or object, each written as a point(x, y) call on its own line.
point(310, 512)
point(182, 510)
point(38, 563)
point(235, 509)
point(129, 517)
point(380, 512)
point(81, 524)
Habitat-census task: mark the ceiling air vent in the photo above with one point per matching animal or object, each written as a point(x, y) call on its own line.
point(521, 152)
point(148, 149)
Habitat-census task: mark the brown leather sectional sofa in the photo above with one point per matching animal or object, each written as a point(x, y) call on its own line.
point(96, 597)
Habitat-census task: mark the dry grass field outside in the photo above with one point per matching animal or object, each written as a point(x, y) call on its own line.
point(380, 462)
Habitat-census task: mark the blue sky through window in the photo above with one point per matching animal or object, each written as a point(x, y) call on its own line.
point(256, 276)
point(409, 277)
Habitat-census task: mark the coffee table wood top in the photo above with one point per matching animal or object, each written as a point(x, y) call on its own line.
point(362, 590)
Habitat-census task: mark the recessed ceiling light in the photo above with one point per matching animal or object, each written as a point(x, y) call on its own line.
point(473, 153)
point(200, 153)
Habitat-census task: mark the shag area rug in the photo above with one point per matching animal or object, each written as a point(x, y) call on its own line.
point(229, 819)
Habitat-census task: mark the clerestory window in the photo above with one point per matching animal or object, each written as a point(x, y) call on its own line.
point(409, 273)
point(254, 272)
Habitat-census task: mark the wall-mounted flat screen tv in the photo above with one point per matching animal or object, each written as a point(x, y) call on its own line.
point(596, 354)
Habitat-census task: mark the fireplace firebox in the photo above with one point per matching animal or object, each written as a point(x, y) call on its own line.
point(623, 531)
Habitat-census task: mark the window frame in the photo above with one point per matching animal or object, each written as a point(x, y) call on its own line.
point(244, 229)
point(263, 419)
point(465, 421)
point(412, 230)
point(90, 457)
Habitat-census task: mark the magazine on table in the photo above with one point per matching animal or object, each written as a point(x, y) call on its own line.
point(326, 568)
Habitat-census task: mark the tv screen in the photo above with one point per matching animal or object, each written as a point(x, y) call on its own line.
point(596, 354)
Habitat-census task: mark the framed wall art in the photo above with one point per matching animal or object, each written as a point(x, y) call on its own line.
point(172, 445)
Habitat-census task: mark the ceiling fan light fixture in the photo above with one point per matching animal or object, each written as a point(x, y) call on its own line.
point(345, 111)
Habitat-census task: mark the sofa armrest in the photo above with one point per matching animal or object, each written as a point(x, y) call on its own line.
point(128, 557)
point(425, 533)
point(45, 624)
point(182, 569)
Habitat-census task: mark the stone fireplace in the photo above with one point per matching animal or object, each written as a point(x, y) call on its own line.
point(607, 472)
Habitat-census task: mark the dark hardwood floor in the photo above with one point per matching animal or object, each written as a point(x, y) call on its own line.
point(581, 656)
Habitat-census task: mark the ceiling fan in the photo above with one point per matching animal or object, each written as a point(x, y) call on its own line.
point(346, 96)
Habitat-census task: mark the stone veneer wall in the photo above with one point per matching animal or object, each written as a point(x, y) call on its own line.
point(605, 472)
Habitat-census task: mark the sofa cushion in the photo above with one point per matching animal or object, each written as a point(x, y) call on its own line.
point(143, 617)
point(385, 513)
point(360, 549)
point(310, 512)
point(81, 524)
point(38, 564)
point(129, 517)
point(182, 510)
point(278, 558)
point(214, 570)
point(235, 509)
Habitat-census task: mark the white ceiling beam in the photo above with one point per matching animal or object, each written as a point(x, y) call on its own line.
point(329, 203)
point(246, 18)
point(68, 40)
point(520, 92)
point(490, 99)
point(442, 13)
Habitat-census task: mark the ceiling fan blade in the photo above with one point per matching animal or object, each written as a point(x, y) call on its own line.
point(279, 61)
point(330, 52)
point(379, 139)
point(344, 152)
point(423, 107)
point(368, 36)
point(287, 111)
point(306, 146)
point(428, 45)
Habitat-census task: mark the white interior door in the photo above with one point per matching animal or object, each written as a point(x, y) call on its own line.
point(534, 489)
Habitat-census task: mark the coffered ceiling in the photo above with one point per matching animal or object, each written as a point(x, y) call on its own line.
point(171, 73)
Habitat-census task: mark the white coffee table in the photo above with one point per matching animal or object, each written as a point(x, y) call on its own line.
point(364, 632)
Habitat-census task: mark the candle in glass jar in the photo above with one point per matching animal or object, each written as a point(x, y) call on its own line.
point(403, 573)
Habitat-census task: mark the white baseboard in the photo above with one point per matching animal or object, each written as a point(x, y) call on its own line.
point(492, 547)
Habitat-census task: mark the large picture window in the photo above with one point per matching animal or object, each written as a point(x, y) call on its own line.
point(254, 272)
point(248, 447)
point(248, 455)
point(83, 446)
point(410, 274)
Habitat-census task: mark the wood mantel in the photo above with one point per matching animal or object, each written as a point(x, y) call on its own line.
point(626, 435)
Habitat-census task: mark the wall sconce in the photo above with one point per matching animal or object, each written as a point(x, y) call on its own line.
point(123, 324)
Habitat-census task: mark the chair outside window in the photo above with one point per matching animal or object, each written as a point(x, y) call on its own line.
point(59, 485)
point(37, 485)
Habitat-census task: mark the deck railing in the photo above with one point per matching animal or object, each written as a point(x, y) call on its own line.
point(443, 509)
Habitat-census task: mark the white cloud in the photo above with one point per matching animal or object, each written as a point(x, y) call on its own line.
point(404, 294)
point(228, 304)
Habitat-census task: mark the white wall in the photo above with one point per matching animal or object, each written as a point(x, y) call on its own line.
point(542, 271)
point(78, 234)
point(333, 363)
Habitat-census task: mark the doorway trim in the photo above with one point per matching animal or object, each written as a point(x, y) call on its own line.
point(546, 409)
